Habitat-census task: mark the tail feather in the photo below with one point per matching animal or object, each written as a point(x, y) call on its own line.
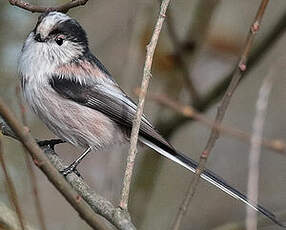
point(209, 176)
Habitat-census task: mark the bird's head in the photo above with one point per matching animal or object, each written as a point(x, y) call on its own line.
point(56, 39)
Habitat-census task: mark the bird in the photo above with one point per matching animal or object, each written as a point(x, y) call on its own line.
point(76, 97)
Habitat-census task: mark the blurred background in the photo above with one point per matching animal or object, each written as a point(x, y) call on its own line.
point(198, 48)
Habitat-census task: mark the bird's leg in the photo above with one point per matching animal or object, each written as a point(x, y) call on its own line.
point(72, 167)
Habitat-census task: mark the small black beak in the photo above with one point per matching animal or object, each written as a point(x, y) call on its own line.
point(38, 38)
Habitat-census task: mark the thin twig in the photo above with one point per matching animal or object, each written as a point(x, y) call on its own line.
point(10, 188)
point(40, 9)
point(236, 77)
point(255, 150)
point(53, 175)
point(136, 123)
point(32, 175)
point(275, 145)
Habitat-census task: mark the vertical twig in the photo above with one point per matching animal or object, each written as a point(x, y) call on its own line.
point(10, 187)
point(255, 150)
point(236, 77)
point(32, 175)
point(136, 123)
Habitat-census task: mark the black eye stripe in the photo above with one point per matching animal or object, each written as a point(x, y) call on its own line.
point(72, 31)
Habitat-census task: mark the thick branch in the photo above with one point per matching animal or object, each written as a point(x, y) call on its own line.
point(99, 204)
point(50, 171)
point(40, 9)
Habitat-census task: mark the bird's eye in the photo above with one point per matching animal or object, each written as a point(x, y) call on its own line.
point(59, 41)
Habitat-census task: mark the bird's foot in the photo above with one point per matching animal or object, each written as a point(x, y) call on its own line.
point(70, 169)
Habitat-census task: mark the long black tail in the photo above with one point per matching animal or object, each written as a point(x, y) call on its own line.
point(209, 176)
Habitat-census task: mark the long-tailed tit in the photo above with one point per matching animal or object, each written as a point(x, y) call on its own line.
point(76, 97)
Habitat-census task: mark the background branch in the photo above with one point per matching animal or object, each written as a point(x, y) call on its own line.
point(40, 9)
point(196, 35)
point(255, 150)
point(12, 194)
point(276, 145)
point(9, 219)
point(180, 59)
point(236, 77)
point(176, 121)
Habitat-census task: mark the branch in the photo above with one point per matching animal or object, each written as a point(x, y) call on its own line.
point(98, 203)
point(11, 189)
point(9, 221)
point(58, 180)
point(40, 9)
point(136, 122)
point(255, 150)
point(180, 59)
point(188, 111)
point(196, 35)
point(236, 77)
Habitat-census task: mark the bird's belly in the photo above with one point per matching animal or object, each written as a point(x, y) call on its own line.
point(75, 123)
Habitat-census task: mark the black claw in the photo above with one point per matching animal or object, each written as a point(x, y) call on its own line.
point(70, 169)
point(77, 173)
